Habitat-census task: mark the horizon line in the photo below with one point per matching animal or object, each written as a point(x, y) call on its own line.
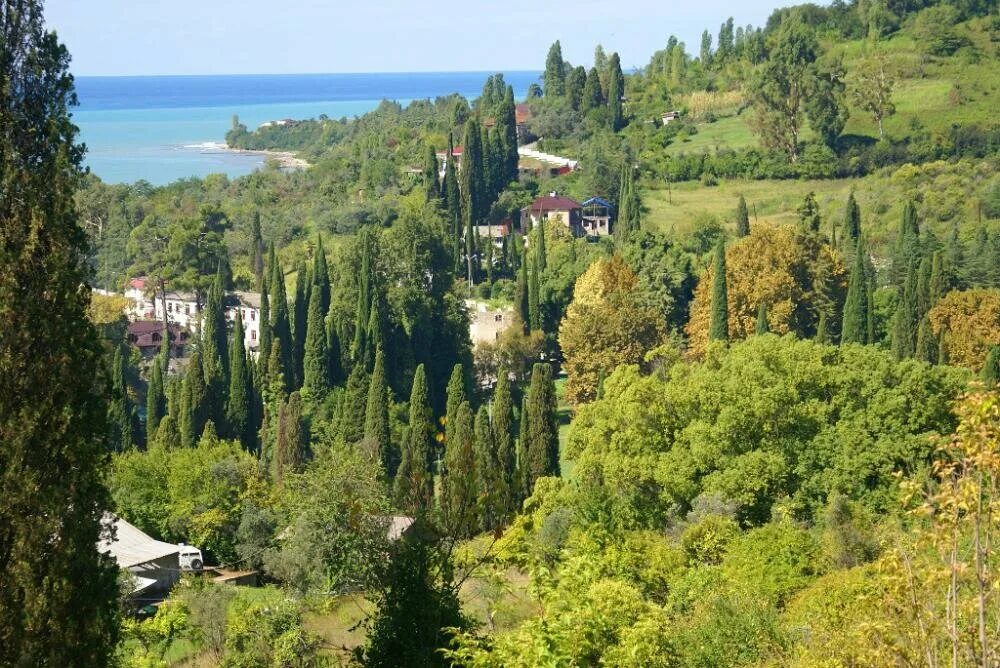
point(303, 74)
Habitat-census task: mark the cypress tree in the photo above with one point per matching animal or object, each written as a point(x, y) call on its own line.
point(905, 320)
point(503, 435)
point(316, 361)
point(923, 291)
point(238, 404)
point(575, 83)
point(376, 434)
point(906, 249)
point(300, 317)
point(455, 393)
point(855, 326)
point(291, 444)
point(321, 276)
point(541, 253)
point(213, 347)
point(629, 205)
point(719, 327)
point(852, 219)
point(521, 300)
point(194, 403)
point(167, 437)
point(592, 96)
point(742, 218)
point(414, 484)
point(375, 337)
point(459, 483)
point(120, 434)
point(471, 178)
point(363, 308)
point(453, 201)
point(616, 91)
point(507, 123)
point(352, 407)
point(939, 280)
point(991, 369)
point(334, 353)
point(490, 482)
point(281, 329)
point(432, 183)
point(534, 308)
point(156, 399)
point(542, 446)
point(927, 344)
point(522, 483)
point(264, 346)
point(870, 312)
point(601, 375)
point(256, 247)
point(762, 327)
point(554, 78)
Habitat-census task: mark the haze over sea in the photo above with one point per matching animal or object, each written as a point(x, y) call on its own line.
point(164, 128)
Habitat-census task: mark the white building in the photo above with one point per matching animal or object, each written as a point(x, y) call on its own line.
point(183, 309)
point(155, 566)
point(486, 324)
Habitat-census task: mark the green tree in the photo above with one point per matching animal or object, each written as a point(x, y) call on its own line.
point(376, 434)
point(628, 220)
point(905, 320)
point(542, 447)
point(855, 325)
point(432, 183)
point(58, 595)
point(852, 219)
point(300, 317)
point(352, 406)
point(194, 402)
point(705, 53)
point(316, 358)
point(291, 441)
point(742, 218)
point(239, 399)
point(156, 398)
point(503, 435)
point(455, 393)
point(871, 85)
point(809, 216)
point(991, 369)
point(414, 484)
point(460, 487)
point(616, 92)
point(534, 311)
point(575, 83)
point(554, 77)
point(781, 84)
point(215, 350)
point(281, 328)
point(592, 97)
point(719, 327)
point(120, 413)
point(489, 478)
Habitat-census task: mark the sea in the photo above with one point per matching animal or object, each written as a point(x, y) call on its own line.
point(163, 128)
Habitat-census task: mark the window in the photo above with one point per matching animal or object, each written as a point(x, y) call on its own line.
point(253, 334)
point(187, 309)
point(253, 315)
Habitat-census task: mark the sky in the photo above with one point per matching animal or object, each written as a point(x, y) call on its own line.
point(147, 37)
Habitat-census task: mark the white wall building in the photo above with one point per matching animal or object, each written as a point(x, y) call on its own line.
point(486, 324)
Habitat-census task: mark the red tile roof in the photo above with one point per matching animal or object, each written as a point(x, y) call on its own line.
point(522, 113)
point(455, 151)
point(550, 203)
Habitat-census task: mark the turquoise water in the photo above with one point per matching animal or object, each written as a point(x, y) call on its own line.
point(160, 129)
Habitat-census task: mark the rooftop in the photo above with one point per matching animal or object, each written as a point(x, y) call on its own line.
point(553, 203)
point(131, 547)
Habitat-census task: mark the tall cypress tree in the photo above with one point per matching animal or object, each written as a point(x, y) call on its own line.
point(991, 369)
point(214, 351)
point(762, 326)
point(503, 435)
point(905, 320)
point(521, 296)
point(522, 476)
point(264, 346)
point(592, 98)
point(855, 325)
point(334, 352)
point(455, 396)
point(351, 424)
point(281, 328)
point(534, 308)
point(453, 202)
point(240, 396)
point(300, 316)
point(822, 328)
point(376, 435)
point(939, 279)
point(719, 328)
point(316, 361)
point(870, 311)
point(852, 219)
point(256, 247)
point(542, 448)
point(923, 290)
point(194, 408)
point(507, 123)
point(927, 344)
point(742, 218)
point(156, 399)
point(120, 434)
point(616, 91)
point(414, 485)
point(554, 77)
point(459, 483)
point(321, 275)
point(489, 478)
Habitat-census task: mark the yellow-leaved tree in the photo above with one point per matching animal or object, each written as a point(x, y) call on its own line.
point(970, 320)
point(605, 326)
point(793, 272)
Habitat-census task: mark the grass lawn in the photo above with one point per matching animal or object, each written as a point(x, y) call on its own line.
point(730, 132)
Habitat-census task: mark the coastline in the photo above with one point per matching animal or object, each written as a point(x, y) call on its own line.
point(286, 159)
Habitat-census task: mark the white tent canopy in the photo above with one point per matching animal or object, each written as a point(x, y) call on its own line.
point(132, 547)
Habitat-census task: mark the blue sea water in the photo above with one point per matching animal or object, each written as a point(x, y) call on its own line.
point(164, 128)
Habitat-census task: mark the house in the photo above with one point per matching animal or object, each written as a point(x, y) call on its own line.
point(552, 207)
point(597, 214)
point(670, 116)
point(147, 336)
point(537, 164)
point(522, 114)
point(486, 324)
point(442, 157)
point(155, 566)
point(184, 309)
point(497, 232)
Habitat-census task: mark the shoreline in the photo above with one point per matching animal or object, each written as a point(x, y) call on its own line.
point(286, 159)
